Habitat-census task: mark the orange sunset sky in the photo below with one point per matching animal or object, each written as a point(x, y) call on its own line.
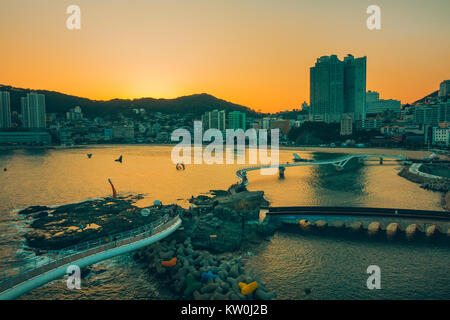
point(252, 52)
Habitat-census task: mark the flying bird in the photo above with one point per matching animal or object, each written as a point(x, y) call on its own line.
point(89, 155)
point(119, 160)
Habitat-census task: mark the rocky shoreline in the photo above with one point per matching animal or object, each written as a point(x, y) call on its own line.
point(437, 185)
point(54, 228)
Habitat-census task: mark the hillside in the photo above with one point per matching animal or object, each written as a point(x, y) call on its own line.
point(57, 102)
point(431, 95)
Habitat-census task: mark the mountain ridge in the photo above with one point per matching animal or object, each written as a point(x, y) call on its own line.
point(57, 102)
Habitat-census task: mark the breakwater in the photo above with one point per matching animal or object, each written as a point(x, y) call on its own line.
point(198, 274)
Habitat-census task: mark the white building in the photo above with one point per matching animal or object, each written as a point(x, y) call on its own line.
point(266, 123)
point(441, 136)
point(369, 124)
point(346, 125)
point(5, 110)
point(33, 111)
point(74, 114)
point(214, 120)
point(376, 105)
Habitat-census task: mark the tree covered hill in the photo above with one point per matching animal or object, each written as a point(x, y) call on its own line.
point(57, 102)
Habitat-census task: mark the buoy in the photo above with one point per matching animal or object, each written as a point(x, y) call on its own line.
point(393, 229)
point(433, 230)
point(180, 166)
point(247, 289)
point(413, 229)
point(113, 189)
point(321, 224)
point(304, 224)
point(169, 263)
point(213, 235)
point(119, 160)
point(374, 227)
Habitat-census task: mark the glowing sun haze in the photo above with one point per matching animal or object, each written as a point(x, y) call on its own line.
point(252, 52)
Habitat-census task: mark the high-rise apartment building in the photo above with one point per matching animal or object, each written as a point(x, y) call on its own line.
point(327, 87)
point(214, 120)
point(5, 110)
point(355, 86)
point(236, 120)
point(432, 114)
point(33, 111)
point(338, 87)
point(444, 88)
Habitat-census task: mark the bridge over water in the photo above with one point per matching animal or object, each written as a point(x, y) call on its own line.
point(16, 282)
point(339, 163)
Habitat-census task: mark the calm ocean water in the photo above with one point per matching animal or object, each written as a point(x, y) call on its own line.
point(334, 268)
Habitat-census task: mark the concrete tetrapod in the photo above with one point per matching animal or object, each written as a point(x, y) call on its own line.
point(412, 230)
point(433, 231)
point(374, 228)
point(304, 224)
point(393, 229)
point(321, 224)
point(356, 226)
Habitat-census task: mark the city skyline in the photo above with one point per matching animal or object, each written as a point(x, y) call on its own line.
point(254, 54)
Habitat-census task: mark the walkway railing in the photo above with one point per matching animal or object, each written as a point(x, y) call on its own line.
point(80, 251)
point(241, 173)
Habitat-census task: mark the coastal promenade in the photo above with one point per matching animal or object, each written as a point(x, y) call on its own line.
point(17, 282)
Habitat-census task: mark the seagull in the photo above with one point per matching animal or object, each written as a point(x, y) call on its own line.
point(89, 155)
point(119, 160)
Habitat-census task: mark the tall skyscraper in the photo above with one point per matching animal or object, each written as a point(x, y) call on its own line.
point(327, 87)
point(355, 86)
point(33, 111)
point(338, 87)
point(5, 110)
